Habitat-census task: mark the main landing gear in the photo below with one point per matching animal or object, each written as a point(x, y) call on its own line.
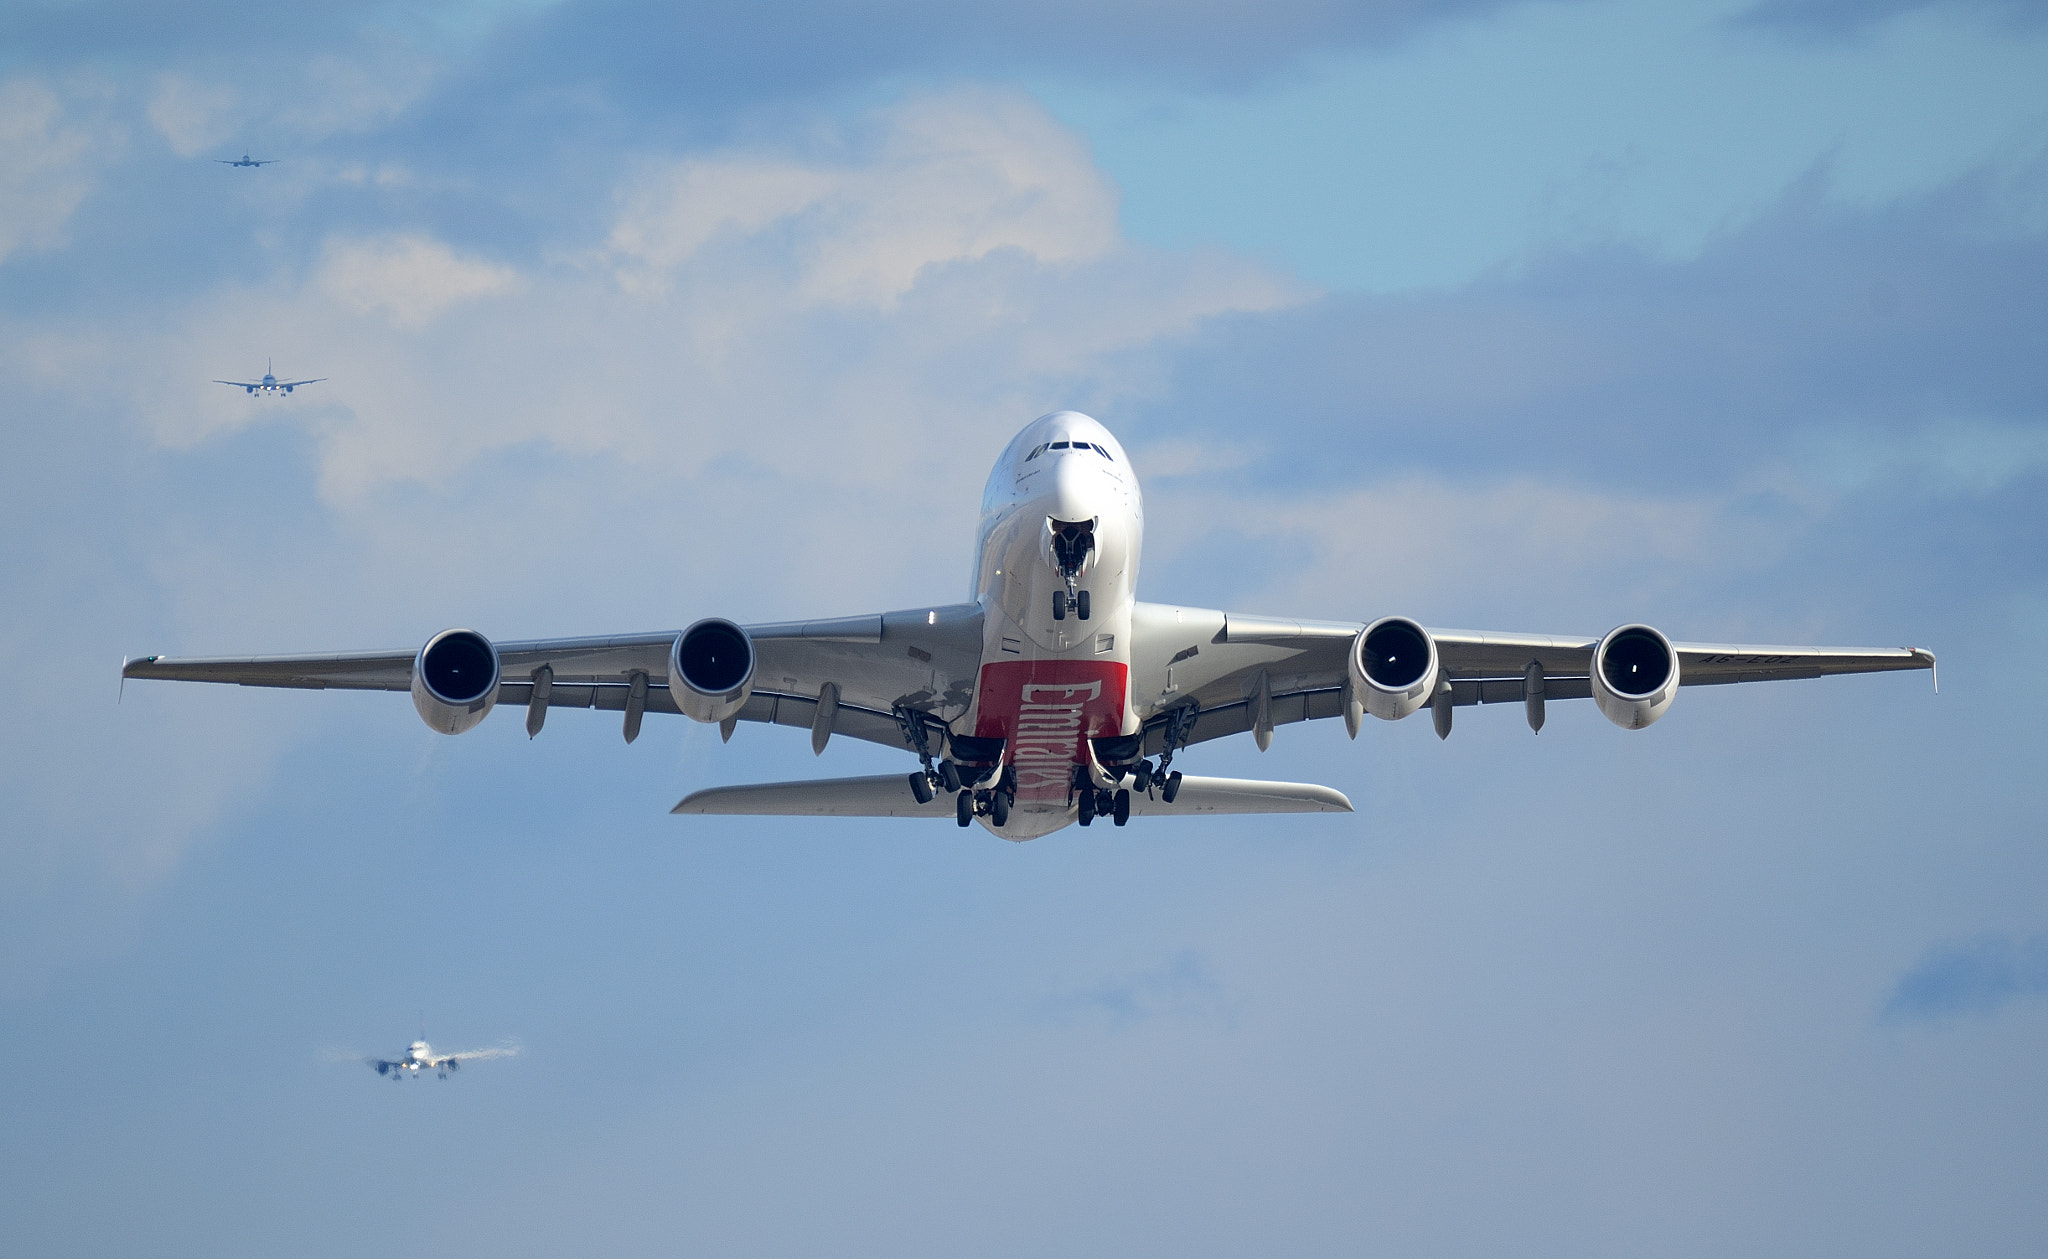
point(993, 804)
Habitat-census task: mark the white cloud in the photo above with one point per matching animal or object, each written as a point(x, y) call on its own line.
point(951, 178)
point(191, 115)
point(1427, 545)
point(409, 279)
point(335, 95)
point(960, 275)
point(44, 172)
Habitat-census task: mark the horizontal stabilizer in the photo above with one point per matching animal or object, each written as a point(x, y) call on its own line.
point(1242, 795)
point(888, 795)
point(883, 795)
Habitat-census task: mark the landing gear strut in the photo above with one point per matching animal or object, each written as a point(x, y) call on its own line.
point(925, 783)
point(1180, 725)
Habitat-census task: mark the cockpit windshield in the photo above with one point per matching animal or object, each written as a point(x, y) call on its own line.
point(1042, 447)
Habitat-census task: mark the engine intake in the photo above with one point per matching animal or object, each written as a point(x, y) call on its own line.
point(1635, 676)
point(711, 670)
point(1393, 667)
point(455, 680)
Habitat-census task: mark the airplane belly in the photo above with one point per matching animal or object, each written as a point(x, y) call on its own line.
point(1045, 711)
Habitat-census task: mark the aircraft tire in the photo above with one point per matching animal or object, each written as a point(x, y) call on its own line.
point(963, 808)
point(921, 787)
point(949, 776)
point(1141, 777)
point(1081, 604)
point(1059, 605)
point(999, 808)
point(1087, 805)
point(1121, 811)
point(1172, 787)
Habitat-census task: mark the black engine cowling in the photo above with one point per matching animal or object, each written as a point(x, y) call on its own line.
point(711, 670)
point(455, 680)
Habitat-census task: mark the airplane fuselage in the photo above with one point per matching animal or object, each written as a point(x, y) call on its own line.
point(1062, 524)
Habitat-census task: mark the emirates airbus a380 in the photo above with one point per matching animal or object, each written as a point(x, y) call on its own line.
point(1054, 696)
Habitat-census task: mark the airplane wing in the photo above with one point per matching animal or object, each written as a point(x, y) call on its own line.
point(293, 384)
point(239, 384)
point(888, 795)
point(382, 1066)
point(1211, 663)
point(922, 661)
point(477, 1055)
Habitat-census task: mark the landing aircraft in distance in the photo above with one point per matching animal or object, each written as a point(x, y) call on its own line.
point(420, 1056)
point(270, 384)
point(1053, 696)
point(246, 160)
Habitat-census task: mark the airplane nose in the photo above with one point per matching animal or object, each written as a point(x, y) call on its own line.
point(1075, 492)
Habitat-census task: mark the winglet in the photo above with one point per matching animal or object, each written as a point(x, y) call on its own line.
point(1921, 653)
point(122, 689)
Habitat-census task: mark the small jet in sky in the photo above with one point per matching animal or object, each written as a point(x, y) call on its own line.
point(270, 384)
point(1053, 696)
point(246, 160)
point(420, 1056)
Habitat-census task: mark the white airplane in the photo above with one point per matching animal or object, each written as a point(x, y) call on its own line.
point(246, 160)
point(1054, 696)
point(270, 384)
point(420, 1056)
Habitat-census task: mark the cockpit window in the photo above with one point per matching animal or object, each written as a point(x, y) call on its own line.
point(1059, 445)
point(1036, 451)
point(1104, 452)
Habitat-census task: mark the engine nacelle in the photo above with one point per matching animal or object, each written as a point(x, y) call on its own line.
point(711, 670)
point(1393, 667)
point(455, 680)
point(1635, 676)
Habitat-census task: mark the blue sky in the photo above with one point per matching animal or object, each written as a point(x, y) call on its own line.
point(1545, 316)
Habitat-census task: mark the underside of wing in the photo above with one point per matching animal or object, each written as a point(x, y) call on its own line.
point(864, 670)
point(1216, 674)
point(356, 671)
point(882, 795)
point(478, 1055)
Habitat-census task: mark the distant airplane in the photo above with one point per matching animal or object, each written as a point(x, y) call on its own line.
point(420, 1056)
point(269, 383)
point(246, 160)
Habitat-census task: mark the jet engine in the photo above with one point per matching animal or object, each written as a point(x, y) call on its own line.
point(1635, 676)
point(455, 680)
point(1393, 667)
point(711, 670)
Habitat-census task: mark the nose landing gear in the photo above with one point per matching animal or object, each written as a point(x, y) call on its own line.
point(1071, 543)
point(1062, 600)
